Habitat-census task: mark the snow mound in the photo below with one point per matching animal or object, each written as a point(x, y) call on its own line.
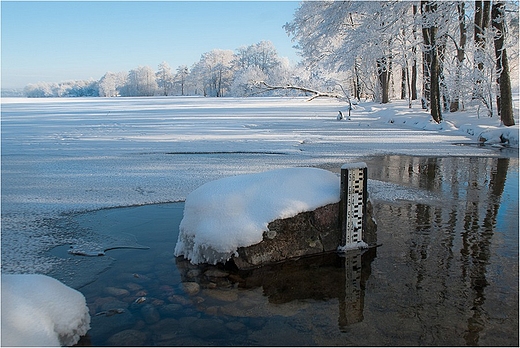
point(223, 215)
point(500, 135)
point(38, 310)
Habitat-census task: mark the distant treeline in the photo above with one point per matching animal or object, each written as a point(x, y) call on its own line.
point(218, 73)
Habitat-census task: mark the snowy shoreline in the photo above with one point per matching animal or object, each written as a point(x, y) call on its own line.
point(66, 155)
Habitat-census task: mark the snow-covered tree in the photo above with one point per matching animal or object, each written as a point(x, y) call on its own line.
point(164, 79)
point(180, 79)
point(140, 82)
point(245, 80)
point(338, 35)
point(213, 73)
point(39, 90)
point(110, 84)
point(82, 88)
point(72, 88)
point(377, 46)
point(504, 95)
point(258, 62)
point(465, 51)
point(262, 55)
point(455, 103)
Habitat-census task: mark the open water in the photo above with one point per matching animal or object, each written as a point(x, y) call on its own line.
point(446, 273)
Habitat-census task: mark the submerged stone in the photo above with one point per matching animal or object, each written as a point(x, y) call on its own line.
point(116, 291)
point(150, 314)
point(191, 288)
point(128, 338)
point(209, 328)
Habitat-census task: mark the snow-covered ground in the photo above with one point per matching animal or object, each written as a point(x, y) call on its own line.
point(62, 155)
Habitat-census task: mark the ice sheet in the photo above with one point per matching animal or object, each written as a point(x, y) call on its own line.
point(63, 155)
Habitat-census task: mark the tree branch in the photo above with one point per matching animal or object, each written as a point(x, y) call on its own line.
point(317, 94)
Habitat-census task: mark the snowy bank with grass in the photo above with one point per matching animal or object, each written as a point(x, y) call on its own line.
point(226, 214)
point(38, 310)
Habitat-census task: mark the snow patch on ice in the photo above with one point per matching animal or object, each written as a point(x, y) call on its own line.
point(38, 310)
point(225, 214)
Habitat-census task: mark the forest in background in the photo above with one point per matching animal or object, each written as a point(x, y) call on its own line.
point(451, 55)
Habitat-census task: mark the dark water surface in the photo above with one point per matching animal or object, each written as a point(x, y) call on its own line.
point(445, 275)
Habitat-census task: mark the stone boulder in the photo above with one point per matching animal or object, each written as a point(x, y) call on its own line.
point(308, 233)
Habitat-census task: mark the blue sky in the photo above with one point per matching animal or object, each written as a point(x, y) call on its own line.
point(72, 40)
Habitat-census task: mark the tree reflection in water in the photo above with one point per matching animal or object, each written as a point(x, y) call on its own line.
point(450, 245)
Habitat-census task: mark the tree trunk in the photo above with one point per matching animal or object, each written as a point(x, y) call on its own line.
point(431, 63)
point(486, 15)
point(478, 36)
point(427, 58)
point(383, 72)
point(356, 87)
point(441, 53)
point(414, 79)
point(504, 97)
point(455, 103)
point(435, 103)
point(357, 82)
point(481, 19)
point(413, 89)
point(403, 83)
point(409, 86)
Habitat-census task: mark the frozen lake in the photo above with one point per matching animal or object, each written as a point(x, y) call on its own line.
point(62, 155)
point(447, 220)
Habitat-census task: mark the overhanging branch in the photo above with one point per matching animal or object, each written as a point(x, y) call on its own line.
point(316, 94)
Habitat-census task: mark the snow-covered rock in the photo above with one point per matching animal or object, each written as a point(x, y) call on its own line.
point(38, 310)
point(223, 215)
